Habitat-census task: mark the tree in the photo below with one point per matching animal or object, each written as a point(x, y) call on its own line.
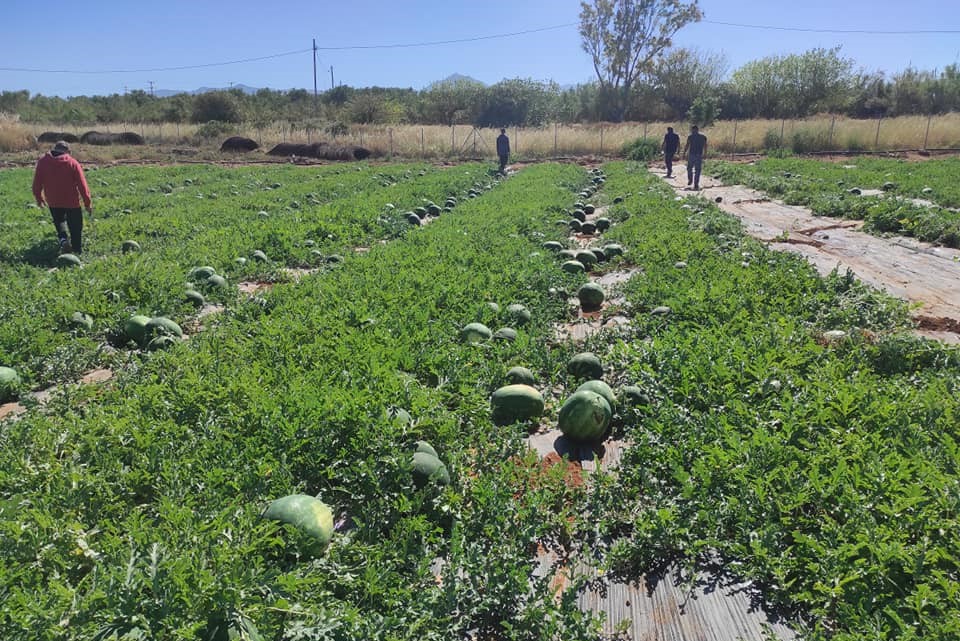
point(684, 75)
point(215, 105)
point(451, 102)
point(624, 37)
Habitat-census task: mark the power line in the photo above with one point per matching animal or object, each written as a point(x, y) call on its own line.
point(200, 66)
point(297, 52)
point(450, 42)
point(875, 32)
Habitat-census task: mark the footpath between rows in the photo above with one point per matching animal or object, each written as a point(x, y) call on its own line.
point(922, 274)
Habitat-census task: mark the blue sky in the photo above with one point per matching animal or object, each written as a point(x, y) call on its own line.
point(107, 35)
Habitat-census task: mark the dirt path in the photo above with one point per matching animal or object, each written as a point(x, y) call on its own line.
point(917, 272)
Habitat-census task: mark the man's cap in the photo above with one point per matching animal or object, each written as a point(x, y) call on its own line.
point(61, 147)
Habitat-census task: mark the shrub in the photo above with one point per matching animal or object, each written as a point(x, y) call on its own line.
point(642, 149)
point(214, 129)
point(806, 140)
point(215, 105)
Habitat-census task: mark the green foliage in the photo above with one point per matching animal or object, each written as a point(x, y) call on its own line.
point(641, 149)
point(704, 110)
point(219, 106)
point(214, 129)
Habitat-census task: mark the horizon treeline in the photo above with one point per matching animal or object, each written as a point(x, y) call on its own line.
point(685, 84)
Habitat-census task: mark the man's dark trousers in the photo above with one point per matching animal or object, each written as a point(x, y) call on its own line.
point(69, 218)
point(694, 164)
point(668, 155)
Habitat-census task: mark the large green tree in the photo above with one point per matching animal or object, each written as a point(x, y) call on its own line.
point(625, 37)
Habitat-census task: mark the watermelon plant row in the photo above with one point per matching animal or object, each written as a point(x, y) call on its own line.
point(154, 225)
point(794, 432)
point(834, 189)
point(134, 510)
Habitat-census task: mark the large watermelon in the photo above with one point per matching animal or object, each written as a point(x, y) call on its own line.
point(130, 246)
point(584, 416)
point(513, 403)
point(601, 388)
point(475, 333)
point(520, 376)
point(519, 313)
point(591, 297)
point(163, 326)
point(427, 467)
point(585, 365)
point(307, 514)
point(135, 328)
point(68, 260)
point(9, 383)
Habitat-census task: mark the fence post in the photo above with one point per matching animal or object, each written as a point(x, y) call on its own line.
point(783, 123)
point(178, 129)
point(644, 129)
point(876, 138)
point(733, 150)
point(833, 120)
point(361, 136)
point(474, 142)
point(390, 132)
point(927, 134)
point(516, 139)
point(556, 127)
point(453, 139)
point(601, 139)
point(423, 148)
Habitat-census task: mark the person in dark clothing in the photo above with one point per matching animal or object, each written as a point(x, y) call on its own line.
point(697, 147)
point(671, 144)
point(59, 183)
point(503, 150)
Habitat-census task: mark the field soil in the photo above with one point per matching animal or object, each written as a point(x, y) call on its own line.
point(922, 274)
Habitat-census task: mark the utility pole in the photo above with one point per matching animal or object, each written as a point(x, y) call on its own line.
point(151, 86)
point(314, 75)
point(331, 77)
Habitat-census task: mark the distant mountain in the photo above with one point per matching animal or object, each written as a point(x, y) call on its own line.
point(165, 93)
point(456, 77)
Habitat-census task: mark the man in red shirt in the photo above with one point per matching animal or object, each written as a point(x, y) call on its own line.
point(58, 182)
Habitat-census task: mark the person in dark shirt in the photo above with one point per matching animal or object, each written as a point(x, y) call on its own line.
point(670, 146)
point(503, 150)
point(697, 147)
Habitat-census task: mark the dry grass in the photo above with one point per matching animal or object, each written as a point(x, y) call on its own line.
point(821, 133)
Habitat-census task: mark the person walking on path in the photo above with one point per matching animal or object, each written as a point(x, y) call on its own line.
point(697, 146)
point(670, 146)
point(503, 150)
point(59, 183)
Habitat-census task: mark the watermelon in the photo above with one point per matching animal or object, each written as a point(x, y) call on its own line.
point(633, 396)
point(68, 260)
point(399, 415)
point(573, 267)
point(216, 282)
point(427, 467)
point(492, 307)
point(421, 212)
point(662, 310)
point(505, 334)
point(195, 298)
point(306, 514)
point(601, 388)
point(575, 225)
point(585, 365)
point(603, 224)
point(309, 243)
point(618, 200)
point(433, 210)
point(520, 376)
point(9, 383)
point(587, 258)
point(240, 260)
point(589, 209)
point(130, 246)
point(413, 219)
point(201, 273)
point(475, 333)
point(519, 313)
point(599, 253)
point(579, 214)
point(163, 326)
point(259, 256)
point(79, 320)
point(591, 297)
point(135, 328)
point(423, 446)
point(513, 403)
point(569, 254)
point(584, 416)
point(552, 245)
point(612, 250)
point(588, 228)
